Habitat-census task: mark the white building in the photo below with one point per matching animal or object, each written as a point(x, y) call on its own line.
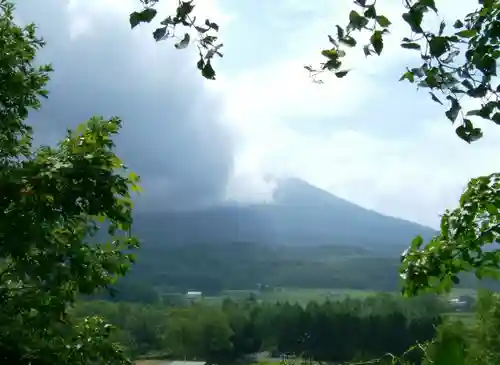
point(194, 295)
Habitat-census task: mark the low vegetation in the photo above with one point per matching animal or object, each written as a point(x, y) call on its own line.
point(332, 331)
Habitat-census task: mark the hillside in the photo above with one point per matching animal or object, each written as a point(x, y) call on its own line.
point(300, 214)
point(306, 237)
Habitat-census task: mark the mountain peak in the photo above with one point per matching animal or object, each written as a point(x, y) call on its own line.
point(294, 191)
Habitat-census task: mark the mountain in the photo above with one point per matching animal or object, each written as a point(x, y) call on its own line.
point(300, 215)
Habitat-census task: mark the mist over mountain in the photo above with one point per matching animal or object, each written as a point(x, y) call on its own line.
point(300, 214)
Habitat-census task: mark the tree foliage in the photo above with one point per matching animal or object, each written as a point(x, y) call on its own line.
point(345, 330)
point(458, 67)
point(465, 232)
point(207, 42)
point(51, 199)
point(459, 60)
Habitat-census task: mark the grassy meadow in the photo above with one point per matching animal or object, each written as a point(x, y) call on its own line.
point(304, 295)
point(292, 295)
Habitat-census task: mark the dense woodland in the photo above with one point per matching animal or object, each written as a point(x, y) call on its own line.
point(383, 327)
point(351, 329)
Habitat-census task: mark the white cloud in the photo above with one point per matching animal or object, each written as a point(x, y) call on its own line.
point(415, 176)
point(84, 12)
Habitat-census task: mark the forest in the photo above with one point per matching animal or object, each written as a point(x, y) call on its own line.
point(345, 330)
point(383, 328)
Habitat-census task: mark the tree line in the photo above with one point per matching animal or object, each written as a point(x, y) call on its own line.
point(383, 328)
point(346, 330)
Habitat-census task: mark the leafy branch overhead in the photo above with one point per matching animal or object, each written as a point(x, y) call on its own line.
point(52, 200)
point(459, 60)
point(207, 43)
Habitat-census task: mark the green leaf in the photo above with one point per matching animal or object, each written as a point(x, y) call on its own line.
point(370, 12)
point(333, 41)
point(496, 118)
point(144, 16)
point(452, 113)
point(201, 63)
point(438, 46)
point(366, 50)
point(356, 20)
point(160, 33)
point(478, 92)
point(467, 33)
point(484, 112)
point(408, 76)
point(434, 97)
point(468, 84)
point(201, 29)
point(410, 45)
point(417, 242)
point(167, 21)
point(212, 25)
point(475, 134)
point(468, 133)
point(414, 19)
point(331, 65)
point(383, 21)
point(431, 4)
point(184, 9)
point(442, 26)
point(341, 74)
point(208, 72)
point(184, 42)
point(488, 65)
point(377, 41)
point(330, 53)
point(458, 24)
point(340, 32)
point(348, 40)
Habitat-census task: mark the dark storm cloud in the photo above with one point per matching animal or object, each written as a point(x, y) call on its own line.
point(172, 136)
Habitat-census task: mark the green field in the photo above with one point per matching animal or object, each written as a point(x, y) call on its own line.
point(303, 296)
point(292, 295)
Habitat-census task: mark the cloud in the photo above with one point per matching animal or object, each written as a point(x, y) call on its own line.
point(173, 133)
point(367, 137)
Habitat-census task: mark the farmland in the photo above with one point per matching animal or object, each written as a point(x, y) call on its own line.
point(292, 295)
point(304, 295)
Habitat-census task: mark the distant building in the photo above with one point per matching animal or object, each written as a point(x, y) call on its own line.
point(457, 304)
point(194, 295)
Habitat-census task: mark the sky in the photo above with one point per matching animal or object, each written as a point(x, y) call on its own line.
point(367, 138)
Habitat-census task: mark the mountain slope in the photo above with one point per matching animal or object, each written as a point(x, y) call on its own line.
point(300, 214)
